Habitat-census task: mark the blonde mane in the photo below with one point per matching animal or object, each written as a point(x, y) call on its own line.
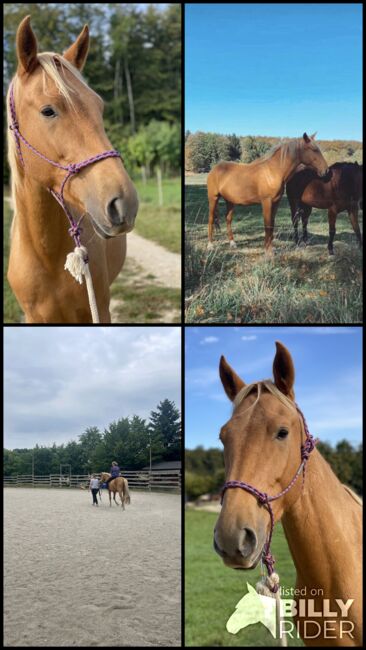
point(290, 148)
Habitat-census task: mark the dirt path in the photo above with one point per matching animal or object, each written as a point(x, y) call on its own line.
point(161, 263)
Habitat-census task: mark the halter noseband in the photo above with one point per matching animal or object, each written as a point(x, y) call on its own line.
point(264, 499)
point(71, 169)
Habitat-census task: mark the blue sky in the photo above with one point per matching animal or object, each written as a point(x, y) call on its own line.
point(274, 69)
point(328, 366)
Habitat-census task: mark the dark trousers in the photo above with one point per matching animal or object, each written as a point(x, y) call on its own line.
point(95, 492)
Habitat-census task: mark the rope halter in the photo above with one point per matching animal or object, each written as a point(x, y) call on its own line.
point(77, 261)
point(262, 497)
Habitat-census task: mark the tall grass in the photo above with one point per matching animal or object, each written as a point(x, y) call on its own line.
point(297, 285)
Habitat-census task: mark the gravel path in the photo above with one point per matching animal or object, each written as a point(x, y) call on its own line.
point(78, 575)
point(154, 259)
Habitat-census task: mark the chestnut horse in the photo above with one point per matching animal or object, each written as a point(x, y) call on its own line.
point(119, 485)
point(261, 181)
point(321, 518)
point(343, 191)
point(61, 118)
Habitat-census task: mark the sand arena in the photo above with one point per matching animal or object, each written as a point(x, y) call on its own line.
point(78, 575)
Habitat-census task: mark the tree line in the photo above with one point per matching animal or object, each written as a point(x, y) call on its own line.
point(204, 468)
point(127, 441)
point(204, 150)
point(134, 63)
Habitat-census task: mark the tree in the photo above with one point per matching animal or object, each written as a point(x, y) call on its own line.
point(253, 148)
point(234, 150)
point(165, 429)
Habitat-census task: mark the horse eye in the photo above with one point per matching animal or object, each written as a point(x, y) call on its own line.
point(283, 433)
point(48, 112)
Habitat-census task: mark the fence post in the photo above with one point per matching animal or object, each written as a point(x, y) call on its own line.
point(149, 481)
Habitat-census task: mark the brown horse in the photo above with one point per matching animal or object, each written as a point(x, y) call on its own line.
point(119, 485)
point(343, 191)
point(261, 181)
point(322, 520)
point(61, 118)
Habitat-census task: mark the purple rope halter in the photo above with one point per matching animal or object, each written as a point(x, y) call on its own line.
point(71, 169)
point(264, 499)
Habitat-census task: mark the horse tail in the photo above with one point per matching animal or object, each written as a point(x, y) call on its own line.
point(127, 492)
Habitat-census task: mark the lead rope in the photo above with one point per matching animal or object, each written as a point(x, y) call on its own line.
point(270, 584)
point(77, 262)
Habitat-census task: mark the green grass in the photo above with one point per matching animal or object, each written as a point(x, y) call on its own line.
point(298, 285)
point(212, 590)
point(160, 224)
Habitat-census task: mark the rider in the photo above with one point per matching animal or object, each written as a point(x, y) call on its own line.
point(115, 470)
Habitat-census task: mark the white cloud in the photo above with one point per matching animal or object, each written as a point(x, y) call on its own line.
point(60, 380)
point(209, 339)
point(252, 337)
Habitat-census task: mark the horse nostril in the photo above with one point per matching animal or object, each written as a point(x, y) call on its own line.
point(248, 542)
point(115, 211)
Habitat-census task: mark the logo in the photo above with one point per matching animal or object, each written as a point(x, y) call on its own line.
point(318, 621)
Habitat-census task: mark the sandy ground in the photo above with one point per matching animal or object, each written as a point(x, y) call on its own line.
point(164, 265)
point(78, 575)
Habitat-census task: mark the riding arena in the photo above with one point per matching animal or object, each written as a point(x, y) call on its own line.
point(78, 575)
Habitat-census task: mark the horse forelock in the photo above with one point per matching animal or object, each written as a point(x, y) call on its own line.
point(268, 385)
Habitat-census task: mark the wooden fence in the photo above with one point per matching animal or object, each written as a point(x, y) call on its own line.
point(145, 480)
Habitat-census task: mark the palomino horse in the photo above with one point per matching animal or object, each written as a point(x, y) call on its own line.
point(322, 520)
point(119, 485)
point(56, 122)
point(262, 181)
point(342, 192)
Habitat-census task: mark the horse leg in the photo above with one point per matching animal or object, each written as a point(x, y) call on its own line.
point(305, 219)
point(295, 216)
point(269, 213)
point(110, 500)
point(353, 215)
point(212, 205)
point(121, 496)
point(229, 218)
point(332, 216)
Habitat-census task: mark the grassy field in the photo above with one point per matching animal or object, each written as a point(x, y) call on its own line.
point(212, 590)
point(298, 285)
point(141, 299)
point(160, 224)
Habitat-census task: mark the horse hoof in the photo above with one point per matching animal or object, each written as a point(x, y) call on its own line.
point(232, 244)
point(210, 246)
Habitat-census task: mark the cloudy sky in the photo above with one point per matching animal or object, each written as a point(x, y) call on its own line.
point(60, 380)
point(328, 386)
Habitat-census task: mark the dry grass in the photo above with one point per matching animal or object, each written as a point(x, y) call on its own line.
point(298, 285)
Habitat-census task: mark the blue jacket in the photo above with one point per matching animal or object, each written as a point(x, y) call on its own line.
point(115, 470)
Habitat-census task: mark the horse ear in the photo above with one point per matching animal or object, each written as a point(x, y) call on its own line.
point(306, 138)
point(78, 51)
point(283, 370)
point(312, 137)
point(230, 380)
point(26, 47)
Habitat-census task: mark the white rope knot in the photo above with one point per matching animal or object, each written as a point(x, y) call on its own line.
point(77, 264)
point(267, 584)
